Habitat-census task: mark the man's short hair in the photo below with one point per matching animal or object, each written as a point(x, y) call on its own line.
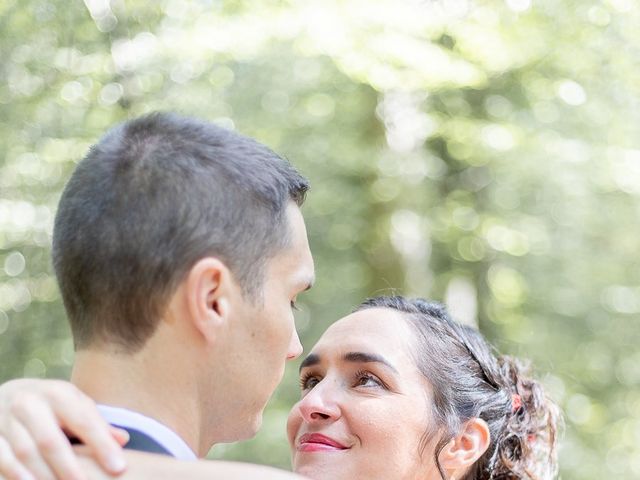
point(150, 199)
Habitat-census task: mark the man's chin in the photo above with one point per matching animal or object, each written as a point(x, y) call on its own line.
point(257, 424)
point(254, 419)
point(252, 426)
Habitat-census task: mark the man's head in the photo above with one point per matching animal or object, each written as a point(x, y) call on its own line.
point(180, 247)
point(150, 199)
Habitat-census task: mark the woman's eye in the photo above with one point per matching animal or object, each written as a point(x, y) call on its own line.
point(308, 382)
point(365, 379)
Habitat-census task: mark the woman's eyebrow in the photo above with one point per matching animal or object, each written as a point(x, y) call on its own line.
point(310, 360)
point(352, 357)
point(362, 357)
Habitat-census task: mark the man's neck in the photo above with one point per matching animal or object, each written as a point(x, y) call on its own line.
point(138, 383)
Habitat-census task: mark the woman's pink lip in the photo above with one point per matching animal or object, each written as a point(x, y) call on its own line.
point(315, 442)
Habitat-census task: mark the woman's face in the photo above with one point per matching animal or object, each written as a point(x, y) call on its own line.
point(365, 406)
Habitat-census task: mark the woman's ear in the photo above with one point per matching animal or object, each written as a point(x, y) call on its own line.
point(465, 448)
point(209, 286)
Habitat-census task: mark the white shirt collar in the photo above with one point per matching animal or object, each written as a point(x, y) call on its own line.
point(150, 427)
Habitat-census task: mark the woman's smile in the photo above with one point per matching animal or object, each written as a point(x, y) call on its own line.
point(317, 442)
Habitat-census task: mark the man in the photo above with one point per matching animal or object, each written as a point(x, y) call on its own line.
point(180, 249)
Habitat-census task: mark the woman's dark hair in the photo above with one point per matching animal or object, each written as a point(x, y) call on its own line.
point(470, 381)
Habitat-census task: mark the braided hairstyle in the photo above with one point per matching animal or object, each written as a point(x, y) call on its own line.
point(470, 381)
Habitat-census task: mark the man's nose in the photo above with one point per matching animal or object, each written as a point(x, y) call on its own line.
point(295, 347)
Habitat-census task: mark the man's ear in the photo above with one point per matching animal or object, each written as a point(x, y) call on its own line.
point(208, 288)
point(465, 448)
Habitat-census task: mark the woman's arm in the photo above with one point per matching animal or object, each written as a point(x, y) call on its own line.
point(159, 467)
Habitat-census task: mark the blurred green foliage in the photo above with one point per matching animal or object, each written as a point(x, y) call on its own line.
point(483, 152)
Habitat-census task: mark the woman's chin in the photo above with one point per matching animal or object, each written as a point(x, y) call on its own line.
point(313, 472)
point(324, 471)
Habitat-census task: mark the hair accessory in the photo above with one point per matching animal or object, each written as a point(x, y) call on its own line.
point(516, 402)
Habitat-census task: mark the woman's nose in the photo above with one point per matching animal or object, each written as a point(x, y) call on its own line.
point(321, 403)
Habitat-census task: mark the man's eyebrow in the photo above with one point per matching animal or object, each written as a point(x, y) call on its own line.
point(309, 361)
point(362, 357)
point(352, 357)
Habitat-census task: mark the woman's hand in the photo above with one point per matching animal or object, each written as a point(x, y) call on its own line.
point(34, 416)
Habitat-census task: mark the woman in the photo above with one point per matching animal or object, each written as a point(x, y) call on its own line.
point(397, 390)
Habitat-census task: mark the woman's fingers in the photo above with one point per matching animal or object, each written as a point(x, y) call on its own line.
point(25, 451)
point(33, 415)
point(40, 443)
point(10, 466)
point(121, 436)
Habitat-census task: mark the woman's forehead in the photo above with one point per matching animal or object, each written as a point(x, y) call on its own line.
point(374, 328)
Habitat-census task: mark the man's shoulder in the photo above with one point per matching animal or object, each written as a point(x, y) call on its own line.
point(147, 434)
point(143, 442)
